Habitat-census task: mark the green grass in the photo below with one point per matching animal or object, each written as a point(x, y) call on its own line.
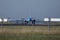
point(29, 33)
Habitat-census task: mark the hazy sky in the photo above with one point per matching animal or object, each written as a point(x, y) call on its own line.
point(29, 8)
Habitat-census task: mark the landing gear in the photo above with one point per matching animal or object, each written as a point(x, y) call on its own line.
point(31, 22)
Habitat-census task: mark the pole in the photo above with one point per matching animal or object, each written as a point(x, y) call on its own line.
point(2, 22)
point(49, 25)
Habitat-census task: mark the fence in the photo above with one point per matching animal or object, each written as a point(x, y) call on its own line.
point(21, 31)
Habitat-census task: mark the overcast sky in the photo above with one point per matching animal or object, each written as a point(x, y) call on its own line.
point(29, 8)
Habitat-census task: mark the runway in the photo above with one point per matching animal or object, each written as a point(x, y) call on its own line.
point(26, 25)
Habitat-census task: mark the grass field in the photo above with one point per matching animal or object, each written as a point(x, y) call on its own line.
point(29, 33)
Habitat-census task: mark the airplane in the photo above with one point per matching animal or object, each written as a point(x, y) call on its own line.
point(29, 20)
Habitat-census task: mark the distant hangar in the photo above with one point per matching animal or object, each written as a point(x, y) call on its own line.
point(3, 20)
point(52, 19)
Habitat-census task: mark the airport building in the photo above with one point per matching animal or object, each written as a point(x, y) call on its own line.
point(3, 20)
point(52, 19)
